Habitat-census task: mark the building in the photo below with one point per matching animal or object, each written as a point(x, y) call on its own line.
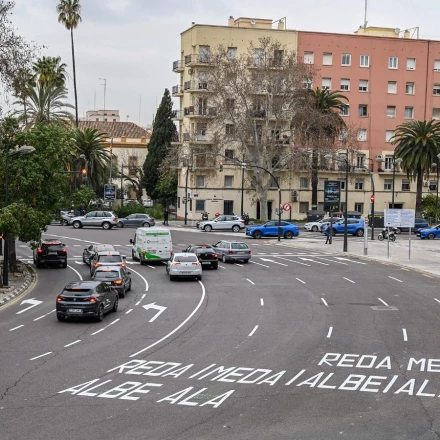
point(102, 116)
point(389, 78)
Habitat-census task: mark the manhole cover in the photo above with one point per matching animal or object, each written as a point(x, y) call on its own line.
point(384, 308)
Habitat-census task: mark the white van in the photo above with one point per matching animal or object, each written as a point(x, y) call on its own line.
point(151, 244)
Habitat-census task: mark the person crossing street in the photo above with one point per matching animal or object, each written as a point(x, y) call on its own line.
point(328, 234)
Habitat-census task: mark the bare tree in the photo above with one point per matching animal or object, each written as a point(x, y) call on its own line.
point(130, 170)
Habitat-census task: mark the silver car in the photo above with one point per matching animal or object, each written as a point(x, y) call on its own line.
point(232, 223)
point(232, 251)
point(184, 265)
point(102, 219)
point(136, 221)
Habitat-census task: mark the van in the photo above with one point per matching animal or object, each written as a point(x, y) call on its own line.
point(151, 244)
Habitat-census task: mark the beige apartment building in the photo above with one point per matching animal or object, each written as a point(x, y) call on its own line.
point(102, 116)
point(388, 77)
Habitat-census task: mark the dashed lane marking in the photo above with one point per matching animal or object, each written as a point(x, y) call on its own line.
point(383, 302)
point(330, 330)
point(301, 281)
point(397, 279)
point(324, 301)
point(128, 311)
point(348, 279)
point(405, 335)
point(15, 328)
point(262, 301)
point(41, 355)
point(41, 317)
point(250, 281)
point(259, 264)
point(254, 330)
point(72, 343)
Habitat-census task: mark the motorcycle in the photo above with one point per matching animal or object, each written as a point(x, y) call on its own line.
point(205, 218)
point(245, 217)
point(384, 234)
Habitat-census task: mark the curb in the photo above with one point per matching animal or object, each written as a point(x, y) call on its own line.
point(29, 279)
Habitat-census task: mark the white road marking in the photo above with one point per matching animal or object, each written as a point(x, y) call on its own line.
point(222, 267)
point(160, 309)
point(262, 301)
point(114, 322)
point(70, 238)
point(253, 331)
point(15, 328)
point(41, 355)
point(179, 326)
point(327, 259)
point(99, 331)
point(330, 330)
point(313, 261)
point(79, 262)
point(383, 302)
point(41, 317)
point(23, 246)
point(70, 267)
point(151, 267)
point(293, 261)
point(405, 335)
point(324, 301)
point(237, 264)
point(346, 259)
point(400, 281)
point(250, 281)
point(259, 264)
point(142, 297)
point(77, 256)
point(348, 279)
point(275, 262)
point(435, 299)
point(34, 302)
point(77, 245)
point(128, 311)
point(301, 281)
point(145, 281)
point(72, 343)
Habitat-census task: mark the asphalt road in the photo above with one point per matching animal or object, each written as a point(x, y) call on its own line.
point(295, 345)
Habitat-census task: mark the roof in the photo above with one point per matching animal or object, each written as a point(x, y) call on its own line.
point(116, 129)
point(108, 252)
point(84, 284)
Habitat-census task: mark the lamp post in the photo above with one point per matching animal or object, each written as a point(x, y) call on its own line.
point(243, 168)
point(25, 149)
point(395, 162)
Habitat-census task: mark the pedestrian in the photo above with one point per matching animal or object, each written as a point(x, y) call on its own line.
point(328, 234)
point(165, 217)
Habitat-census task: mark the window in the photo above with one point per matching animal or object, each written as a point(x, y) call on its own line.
point(363, 110)
point(346, 59)
point(278, 57)
point(274, 182)
point(359, 207)
point(409, 112)
point(409, 88)
point(365, 61)
point(258, 57)
point(229, 180)
point(105, 120)
point(388, 162)
point(304, 183)
point(410, 64)
point(363, 85)
point(388, 135)
point(393, 62)
point(309, 57)
point(345, 110)
point(230, 129)
point(436, 90)
point(359, 185)
point(345, 84)
point(362, 135)
point(321, 183)
point(391, 111)
point(360, 161)
point(230, 104)
point(436, 113)
point(437, 66)
point(307, 84)
point(204, 54)
point(114, 120)
point(97, 119)
point(392, 86)
point(229, 154)
point(388, 184)
point(303, 207)
point(326, 83)
point(132, 165)
point(342, 183)
point(327, 59)
point(200, 205)
point(200, 181)
point(232, 53)
point(406, 186)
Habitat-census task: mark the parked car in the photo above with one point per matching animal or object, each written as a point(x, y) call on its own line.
point(205, 254)
point(115, 276)
point(86, 299)
point(223, 222)
point(316, 226)
point(232, 251)
point(418, 224)
point(103, 219)
point(148, 203)
point(91, 250)
point(354, 227)
point(430, 233)
point(136, 221)
point(50, 252)
point(183, 265)
point(106, 258)
point(270, 229)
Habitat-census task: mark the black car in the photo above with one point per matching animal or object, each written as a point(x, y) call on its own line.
point(86, 299)
point(90, 251)
point(50, 252)
point(205, 253)
point(115, 276)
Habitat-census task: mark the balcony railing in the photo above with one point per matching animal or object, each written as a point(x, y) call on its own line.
point(197, 59)
point(257, 113)
point(177, 114)
point(177, 66)
point(196, 85)
point(200, 111)
point(177, 90)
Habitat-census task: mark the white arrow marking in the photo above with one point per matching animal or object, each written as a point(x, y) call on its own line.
point(346, 259)
point(271, 261)
point(32, 301)
point(154, 306)
point(79, 262)
point(313, 261)
point(326, 258)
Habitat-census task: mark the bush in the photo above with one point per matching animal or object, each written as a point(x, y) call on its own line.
point(131, 208)
point(156, 212)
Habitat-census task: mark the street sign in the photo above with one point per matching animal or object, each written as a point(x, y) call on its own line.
point(109, 192)
point(332, 195)
point(372, 198)
point(397, 218)
point(286, 207)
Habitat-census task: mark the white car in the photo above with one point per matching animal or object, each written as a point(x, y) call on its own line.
point(223, 222)
point(316, 226)
point(184, 265)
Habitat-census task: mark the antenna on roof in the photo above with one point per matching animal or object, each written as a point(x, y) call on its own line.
point(365, 14)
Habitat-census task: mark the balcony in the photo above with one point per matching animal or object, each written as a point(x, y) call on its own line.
point(205, 161)
point(177, 114)
point(200, 112)
point(178, 66)
point(257, 113)
point(197, 60)
point(202, 137)
point(196, 86)
point(177, 91)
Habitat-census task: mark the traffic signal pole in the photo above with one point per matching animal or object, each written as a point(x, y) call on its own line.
point(186, 196)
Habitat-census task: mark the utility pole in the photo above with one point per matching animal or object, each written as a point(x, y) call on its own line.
point(105, 90)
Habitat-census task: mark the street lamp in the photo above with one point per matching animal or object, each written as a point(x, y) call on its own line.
point(243, 168)
point(395, 162)
point(25, 149)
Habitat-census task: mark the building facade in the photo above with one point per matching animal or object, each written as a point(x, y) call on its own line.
point(102, 116)
point(388, 80)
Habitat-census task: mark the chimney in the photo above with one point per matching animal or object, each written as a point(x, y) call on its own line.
point(281, 25)
point(406, 34)
point(231, 21)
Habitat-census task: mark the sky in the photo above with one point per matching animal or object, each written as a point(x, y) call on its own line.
point(132, 43)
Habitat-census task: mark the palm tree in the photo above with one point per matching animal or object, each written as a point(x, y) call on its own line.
point(22, 84)
point(91, 143)
point(69, 14)
point(50, 71)
point(417, 144)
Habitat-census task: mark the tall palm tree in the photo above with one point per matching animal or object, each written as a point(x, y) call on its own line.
point(69, 14)
point(50, 71)
point(91, 143)
point(22, 84)
point(417, 144)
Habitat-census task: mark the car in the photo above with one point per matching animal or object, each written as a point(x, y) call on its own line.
point(102, 219)
point(270, 229)
point(355, 226)
point(419, 223)
point(66, 217)
point(205, 253)
point(129, 201)
point(115, 276)
point(151, 245)
point(86, 299)
point(136, 221)
point(106, 258)
point(184, 265)
point(316, 226)
point(148, 203)
point(50, 252)
point(430, 233)
point(232, 251)
point(223, 222)
point(91, 250)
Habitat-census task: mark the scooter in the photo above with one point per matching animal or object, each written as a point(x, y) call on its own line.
point(205, 218)
point(384, 234)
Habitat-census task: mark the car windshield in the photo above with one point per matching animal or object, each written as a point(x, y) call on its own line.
point(204, 251)
point(107, 274)
point(77, 291)
point(105, 247)
point(185, 258)
point(110, 259)
point(52, 247)
point(239, 246)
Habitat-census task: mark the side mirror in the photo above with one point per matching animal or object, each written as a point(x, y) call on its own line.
point(131, 241)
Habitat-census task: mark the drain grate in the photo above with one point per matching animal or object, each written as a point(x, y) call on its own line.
point(391, 308)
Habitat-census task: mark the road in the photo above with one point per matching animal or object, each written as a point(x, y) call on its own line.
point(295, 345)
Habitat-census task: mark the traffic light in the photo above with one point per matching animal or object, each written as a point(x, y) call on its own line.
point(221, 167)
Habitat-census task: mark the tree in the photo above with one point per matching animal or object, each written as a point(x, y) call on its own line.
point(69, 14)
point(164, 132)
point(50, 71)
point(22, 84)
point(417, 144)
point(167, 187)
point(130, 171)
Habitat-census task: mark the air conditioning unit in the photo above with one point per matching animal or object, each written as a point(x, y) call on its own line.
point(190, 71)
point(379, 157)
point(426, 183)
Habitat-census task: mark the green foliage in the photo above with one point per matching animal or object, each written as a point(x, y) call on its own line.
point(428, 205)
point(164, 132)
point(167, 187)
point(82, 197)
point(69, 13)
point(130, 208)
point(156, 211)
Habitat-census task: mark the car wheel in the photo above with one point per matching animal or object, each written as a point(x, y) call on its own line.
point(360, 232)
point(215, 266)
point(245, 261)
point(333, 232)
point(431, 236)
point(315, 228)
point(207, 228)
point(120, 225)
point(398, 231)
point(38, 264)
point(146, 225)
point(129, 287)
point(100, 315)
point(77, 224)
point(133, 255)
point(60, 318)
point(122, 293)
point(235, 228)
point(64, 265)
point(106, 225)
point(288, 235)
point(64, 222)
point(224, 258)
point(199, 278)
point(116, 304)
point(171, 277)
point(257, 235)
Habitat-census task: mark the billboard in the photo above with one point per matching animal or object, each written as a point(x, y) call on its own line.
point(332, 195)
point(400, 218)
point(109, 192)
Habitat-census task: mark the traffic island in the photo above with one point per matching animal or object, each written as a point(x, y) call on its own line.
point(19, 282)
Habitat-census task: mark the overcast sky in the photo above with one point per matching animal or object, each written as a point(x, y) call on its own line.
point(132, 43)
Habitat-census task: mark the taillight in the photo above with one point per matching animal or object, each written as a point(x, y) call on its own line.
point(40, 251)
point(115, 219)
point(230, 252)
point(117, 282)
point(196, 264)
point(249, 251)
point(242, 221)
point(175, 264)
point(64, 250)
point(152, 219)
point(214, 256)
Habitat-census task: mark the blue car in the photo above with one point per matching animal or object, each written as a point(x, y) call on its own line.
point(430, 233)
point(355, 226)
point(270, 229)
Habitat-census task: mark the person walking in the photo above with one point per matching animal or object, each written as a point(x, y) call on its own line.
point(328, 234)
point(165, 217)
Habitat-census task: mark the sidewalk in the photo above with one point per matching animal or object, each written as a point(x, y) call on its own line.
point(18, 283)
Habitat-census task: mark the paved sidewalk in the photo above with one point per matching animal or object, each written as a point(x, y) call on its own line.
point(18, 283)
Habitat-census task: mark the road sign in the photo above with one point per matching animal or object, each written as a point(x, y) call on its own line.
point(372, 198)
point(397, 218)
point(286, 207)
point(109, 192)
